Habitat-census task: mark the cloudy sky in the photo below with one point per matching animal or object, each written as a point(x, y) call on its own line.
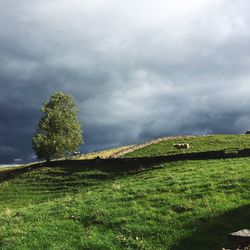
point(137, 69)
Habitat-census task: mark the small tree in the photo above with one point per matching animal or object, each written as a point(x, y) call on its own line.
point(59, 131)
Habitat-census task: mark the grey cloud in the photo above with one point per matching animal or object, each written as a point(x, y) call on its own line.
point(136, 69)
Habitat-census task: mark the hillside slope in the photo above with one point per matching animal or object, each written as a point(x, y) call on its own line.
point(192, 204)
point(165, 146)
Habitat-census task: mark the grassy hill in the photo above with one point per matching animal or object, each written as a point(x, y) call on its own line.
point(165, 146)
point(180, 205)
point(104, 153)
point(197, 144)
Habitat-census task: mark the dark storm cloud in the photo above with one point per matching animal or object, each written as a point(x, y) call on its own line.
point(137, 69)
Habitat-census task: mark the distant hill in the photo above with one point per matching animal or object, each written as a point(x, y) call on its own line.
point(165, 146)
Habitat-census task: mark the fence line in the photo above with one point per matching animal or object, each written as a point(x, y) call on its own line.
point(130, 164)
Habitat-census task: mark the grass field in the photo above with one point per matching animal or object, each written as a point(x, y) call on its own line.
point(102, 154)
point(197, 144)
point(7, 167)
point(181, 205)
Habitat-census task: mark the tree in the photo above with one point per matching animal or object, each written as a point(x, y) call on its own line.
point(59, 131)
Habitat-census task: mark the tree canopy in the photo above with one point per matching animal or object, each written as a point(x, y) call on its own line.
point(59, 130)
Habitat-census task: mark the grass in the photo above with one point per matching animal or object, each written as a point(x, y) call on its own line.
point(197, 144)
point(4, 168)
point(46, 184)
point(7, 167)
point(102, 154)
point(181, 205)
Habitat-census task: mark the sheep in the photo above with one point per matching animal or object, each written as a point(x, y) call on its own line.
point(182, 146)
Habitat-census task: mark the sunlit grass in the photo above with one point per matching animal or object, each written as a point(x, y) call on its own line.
point(197, 144)
point(8, 167)
point(181, 205)
point(102, 154)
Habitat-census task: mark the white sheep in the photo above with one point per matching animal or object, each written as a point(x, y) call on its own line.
point(182, 146)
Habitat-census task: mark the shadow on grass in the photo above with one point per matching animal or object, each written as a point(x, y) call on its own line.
point(123, 165)
point(213, 233)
